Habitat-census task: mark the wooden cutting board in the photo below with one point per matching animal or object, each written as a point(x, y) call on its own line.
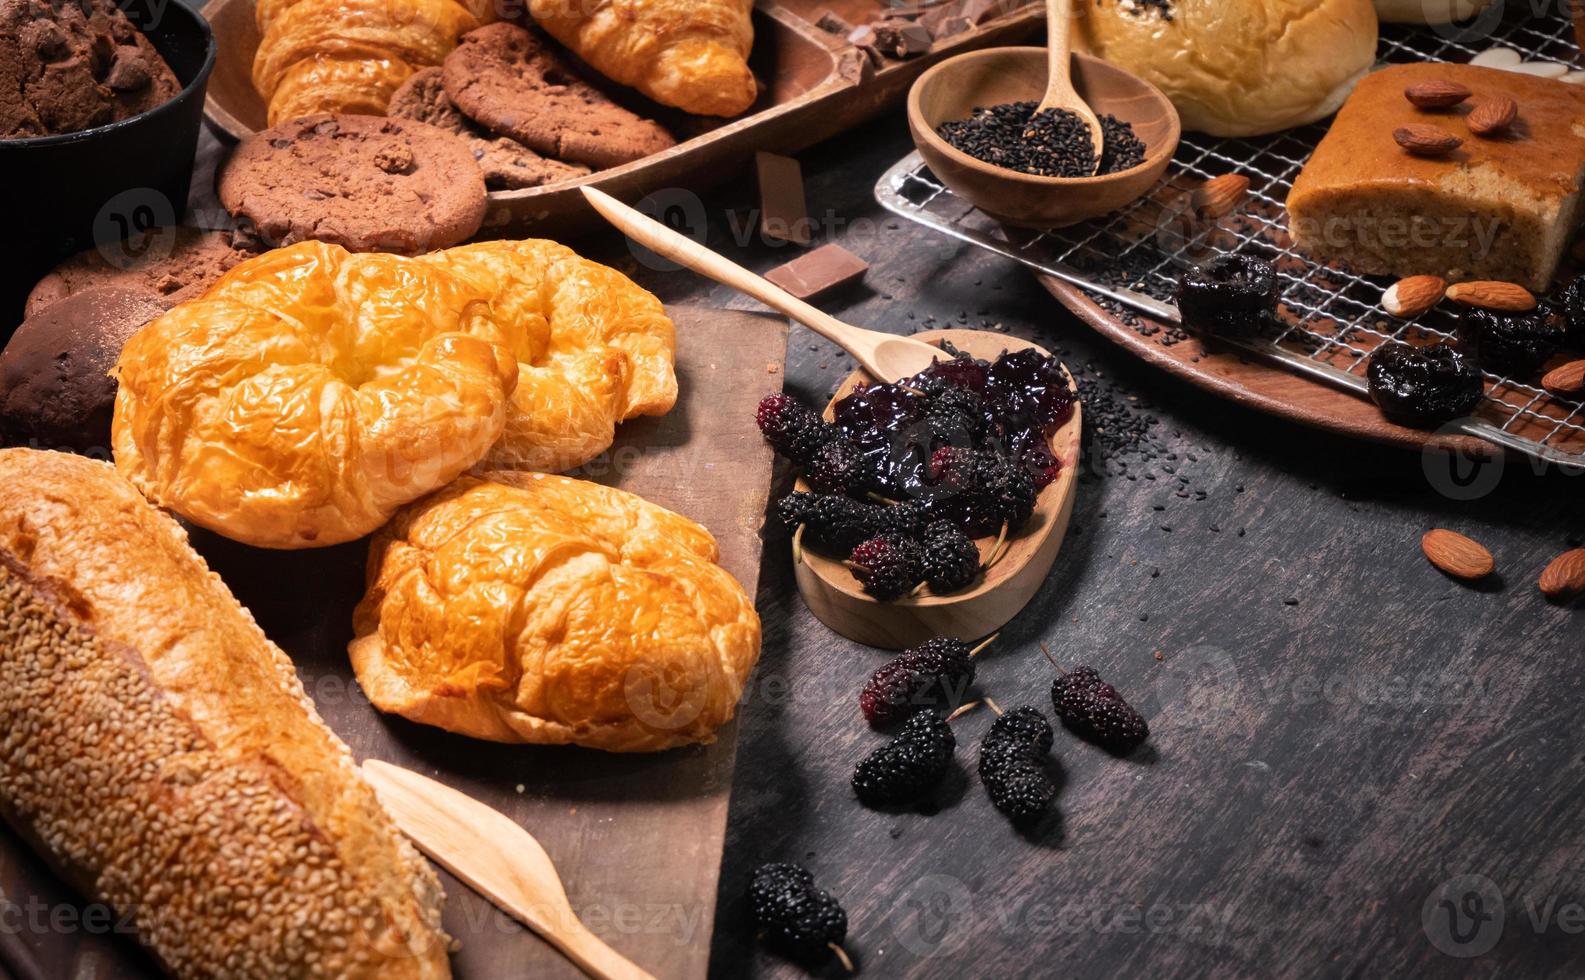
point(637, 838)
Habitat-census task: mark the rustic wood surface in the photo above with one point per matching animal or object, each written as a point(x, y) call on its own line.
point(636, 838)
point(1338, 730)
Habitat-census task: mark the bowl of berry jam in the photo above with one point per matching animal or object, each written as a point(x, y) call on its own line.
point(932, 505)
point(974, 122)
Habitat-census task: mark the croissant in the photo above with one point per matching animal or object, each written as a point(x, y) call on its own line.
point(352, 55)
point(311, 392)
point(532, 608)
point(597, 349)
point(692, 54)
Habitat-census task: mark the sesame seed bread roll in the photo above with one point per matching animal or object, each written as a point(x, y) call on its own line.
point(161, 752)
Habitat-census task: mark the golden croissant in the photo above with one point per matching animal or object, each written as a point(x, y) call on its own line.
point(692, 54)
point(311, 392)
point(352, 55)
point(526, 607)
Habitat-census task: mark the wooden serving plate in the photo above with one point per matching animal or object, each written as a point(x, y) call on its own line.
point(637, 839)
point(1263, 387)
point(814, 85)
point(837, 600)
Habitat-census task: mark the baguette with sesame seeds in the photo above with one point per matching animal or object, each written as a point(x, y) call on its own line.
point(162, 753)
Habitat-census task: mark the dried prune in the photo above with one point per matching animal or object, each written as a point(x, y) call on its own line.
point(1574, 314)
point(1423, 385)
point(1233, 296)
point(1515, 344)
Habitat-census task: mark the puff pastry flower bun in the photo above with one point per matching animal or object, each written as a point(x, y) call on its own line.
point(311, 392)
point(534, 608)
point(1239, 67)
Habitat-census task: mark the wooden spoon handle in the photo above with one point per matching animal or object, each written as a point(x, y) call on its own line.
point(1059, 44)
point(690, 254)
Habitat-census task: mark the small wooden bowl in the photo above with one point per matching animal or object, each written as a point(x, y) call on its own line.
point(837, 599)
point(954, 88)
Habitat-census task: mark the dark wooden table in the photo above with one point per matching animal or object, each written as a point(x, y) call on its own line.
point(1341, 734)
point(1343, 739)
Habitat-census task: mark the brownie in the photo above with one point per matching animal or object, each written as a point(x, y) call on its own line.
point(507, 164)
point(70, 66)
point(366, 183)
point(56, 391)
point(171, 265)
point(515, 83)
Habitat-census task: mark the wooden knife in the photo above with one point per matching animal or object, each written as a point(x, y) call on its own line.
point(500, 860)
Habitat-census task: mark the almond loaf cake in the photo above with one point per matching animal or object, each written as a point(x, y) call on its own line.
point(1500, 207)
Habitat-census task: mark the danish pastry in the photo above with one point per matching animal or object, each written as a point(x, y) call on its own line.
point(526, 607)
point(593, 349)
point(310, 393)
point(692, 54)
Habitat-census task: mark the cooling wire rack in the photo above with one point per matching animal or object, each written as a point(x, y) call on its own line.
point(1330, 319)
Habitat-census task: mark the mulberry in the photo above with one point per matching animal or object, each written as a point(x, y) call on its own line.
point(794, 917)
point(951, 558)
point(793, 429)
point(1092, 709)
point(933, 674)
point(1011, 766)
point(909, 766)
point(888, 565)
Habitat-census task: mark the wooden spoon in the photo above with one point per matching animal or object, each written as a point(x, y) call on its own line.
point(1060, 93)
point(885, 356)
point(503, 862)
point(828, 588)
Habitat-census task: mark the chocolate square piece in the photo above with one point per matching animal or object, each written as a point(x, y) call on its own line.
point(822, 270)
point(783, 214)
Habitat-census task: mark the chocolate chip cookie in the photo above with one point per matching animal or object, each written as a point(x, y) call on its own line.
point(366, 183)
point(169, 265)
point(515, 83)
point(506, 163)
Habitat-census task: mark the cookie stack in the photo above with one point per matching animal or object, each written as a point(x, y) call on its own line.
point(528, 115)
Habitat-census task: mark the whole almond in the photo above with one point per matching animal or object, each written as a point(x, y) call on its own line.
point(1408, 298)
point(1457, 555)
point(1493, 116)
point(1492, 294)
point(1436, 95)
point(1426, 141)
point(1567, 380)
point(1221, 196)
point(1565, 577)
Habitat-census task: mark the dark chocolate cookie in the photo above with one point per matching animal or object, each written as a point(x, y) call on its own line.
point(56, 391)
point(514, 82)
point(171, 265)
point(507, 164)
point(367, 183)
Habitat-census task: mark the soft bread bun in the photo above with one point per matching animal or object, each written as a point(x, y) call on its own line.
point(593, 348)
point(1240, 67)
point(310, 393)
point(534, 608)
point(1428, 11)
point(162, 754)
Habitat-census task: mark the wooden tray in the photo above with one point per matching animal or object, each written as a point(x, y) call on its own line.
point(637, 838)
point(815, 84)
point(1263, 387)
